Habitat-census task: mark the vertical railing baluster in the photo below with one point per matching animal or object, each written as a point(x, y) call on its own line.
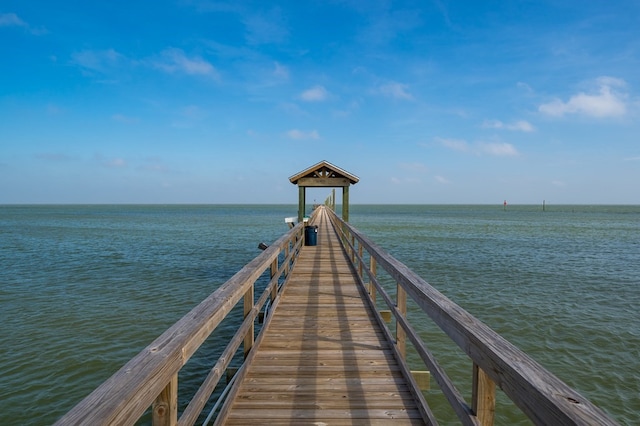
point(372, 288)
point(483, 397)
point(274, 271)
point(164, 411)
point(248, 306)
point(352, 249)
point(401, 335)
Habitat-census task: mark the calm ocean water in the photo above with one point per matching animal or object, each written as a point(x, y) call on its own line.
point(85, 288)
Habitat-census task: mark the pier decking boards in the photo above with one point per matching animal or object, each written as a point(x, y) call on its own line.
point(323, 358)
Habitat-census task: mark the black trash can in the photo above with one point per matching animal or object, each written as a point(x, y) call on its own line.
point(310, 235)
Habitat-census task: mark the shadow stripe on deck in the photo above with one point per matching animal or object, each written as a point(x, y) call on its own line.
point(323, 358)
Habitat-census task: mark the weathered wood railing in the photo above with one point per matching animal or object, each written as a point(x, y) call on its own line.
point(540, 395)
point(150, 379)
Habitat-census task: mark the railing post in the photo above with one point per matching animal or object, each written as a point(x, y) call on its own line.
point(352, 249)
point(483, 398)
point(360, 261)
point(164, 411)
point(374, 272)
point(286, 256)
point(401, 335)
point(248, 306)
point(273, 272)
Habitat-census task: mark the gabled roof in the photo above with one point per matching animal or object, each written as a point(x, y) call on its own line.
point(324, 174)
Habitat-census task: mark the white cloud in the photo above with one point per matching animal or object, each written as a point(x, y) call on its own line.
point(606, 102)
point(13, 20)
point(442, 179)
point(53, 156)
point(124, 119)
point(500, 149)
point(405, 181)
point(267, 28)
point(281, 72)
point(174, 60)
point(315, 94)
point(395, 90)
point(300, 135)
point(97, 60)
point(155, 166)
point(415, 167)
point(520, 125)
point(113, 163)
point(454, 144)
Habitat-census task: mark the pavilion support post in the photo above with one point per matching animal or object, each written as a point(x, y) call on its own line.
point(301, 203)
point(345, 203)
point(333, 199)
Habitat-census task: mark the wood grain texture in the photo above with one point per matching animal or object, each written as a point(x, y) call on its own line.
point(323, 358)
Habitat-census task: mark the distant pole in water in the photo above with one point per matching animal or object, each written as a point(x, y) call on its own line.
point(504, 206)
point(543, 205)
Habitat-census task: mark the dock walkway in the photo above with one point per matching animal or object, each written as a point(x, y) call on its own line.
point(323, 359)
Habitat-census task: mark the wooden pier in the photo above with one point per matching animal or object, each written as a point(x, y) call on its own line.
point(324, 355)
point(323, 359)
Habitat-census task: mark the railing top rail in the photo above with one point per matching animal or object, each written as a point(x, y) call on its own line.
point(124, 397)
point(543, 397)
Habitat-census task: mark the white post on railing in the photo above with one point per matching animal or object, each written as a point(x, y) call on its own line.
point(164, 411)
point(483, 398)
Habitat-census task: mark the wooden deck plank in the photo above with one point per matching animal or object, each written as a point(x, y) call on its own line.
point(323, 359)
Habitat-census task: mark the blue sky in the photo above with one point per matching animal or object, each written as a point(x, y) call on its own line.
point(200, 101)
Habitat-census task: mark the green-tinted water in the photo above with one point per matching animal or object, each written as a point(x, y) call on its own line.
point(84, 288)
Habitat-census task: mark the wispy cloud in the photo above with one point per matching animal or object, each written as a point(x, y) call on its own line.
point(609, 100)
point(267, 28)
point(112, 163)
point(13, 20)
point(395, 90)
point(454, 144)
point(404, 181)
point(154, 165)
point(520, 125)
point(188, 116)
point(300, 135)
point(441, 179)
point(53, 156)
point(173, 60)
point(384, 23)
point(124, 119)
point(100, 61)
point(497, 149)
point(414, 167)
point(315, 94)
point(280, 71)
